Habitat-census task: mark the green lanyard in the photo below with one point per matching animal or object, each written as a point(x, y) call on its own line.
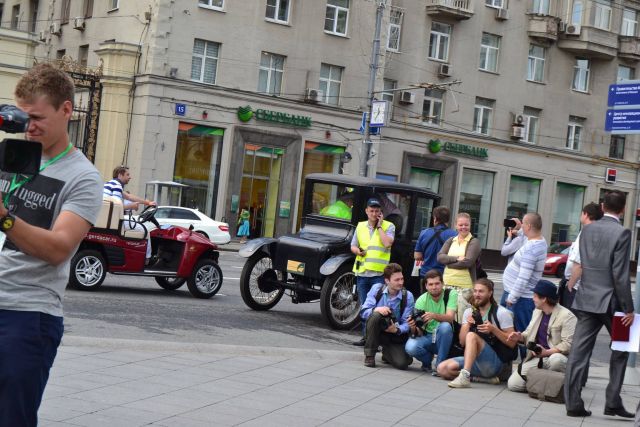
point(14, 181)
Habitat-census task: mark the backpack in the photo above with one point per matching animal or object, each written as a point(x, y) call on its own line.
point(544, 384)
point(456, 349)
point(505, 353)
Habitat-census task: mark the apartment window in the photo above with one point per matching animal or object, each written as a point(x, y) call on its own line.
point(60, 53)
point(541, 7)
point(531, 124)
point(395, 27)
point(34, 14)
point(602, 18)
point(278, 10)
point(330, 82)
point(576, 12)
point(204, 62)
point(574, 133)
point(535, 65)
point(271, 71)
point(482, 115)
point(489, 50)
point(336, 17)
point(88, 8)
point(493, 3)
point(115, 4)
point(432, 106)
point(581, 75)
point(616, 148)
point(625, 73)
point(439, 41)
point(629, 22)
point(212, 4)
point(65, 7)
point(83, 55)
point(388, 90)
point(15, 17)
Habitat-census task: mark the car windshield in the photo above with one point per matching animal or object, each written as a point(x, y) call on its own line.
point(559, 248)
point(332, 200)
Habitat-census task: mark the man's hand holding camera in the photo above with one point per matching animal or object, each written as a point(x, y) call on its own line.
point(388, 314)
point(483, 327)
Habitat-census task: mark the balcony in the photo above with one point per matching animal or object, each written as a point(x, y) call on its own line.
point(453, 9)
point(543, 28)
point(629, 48)
point(589, 42)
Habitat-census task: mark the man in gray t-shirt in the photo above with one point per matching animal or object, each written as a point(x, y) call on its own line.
point(43, 219)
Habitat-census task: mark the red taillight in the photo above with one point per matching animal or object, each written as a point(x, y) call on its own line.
point(223, 227)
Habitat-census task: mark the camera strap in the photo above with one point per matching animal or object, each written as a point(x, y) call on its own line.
point(15, 184)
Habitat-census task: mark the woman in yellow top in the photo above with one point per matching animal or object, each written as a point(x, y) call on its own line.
point(458, 255)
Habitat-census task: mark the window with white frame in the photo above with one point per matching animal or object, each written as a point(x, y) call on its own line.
point(541, 7)
point(336, 17)
point(211, 4)
point(531, 124)
point(616, 148)
point(439, 41)
point(388, 90)
point(576, 12)
point(574, 132)
point(278, 10)
point(489, 52)
point(629, 22)
point(535, 64)
point(270, 75)
point(330, 82)
point(204, 62)
point(602, 15)
point(115, 4)
point(432, 106)
point(625, 73)
point(482, 115)
point(395, 28)
point(581, 75)
point(494, 3)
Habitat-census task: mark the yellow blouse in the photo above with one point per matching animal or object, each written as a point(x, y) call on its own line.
point(459, 277)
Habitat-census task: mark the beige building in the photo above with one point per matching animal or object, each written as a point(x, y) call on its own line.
point(522, 130)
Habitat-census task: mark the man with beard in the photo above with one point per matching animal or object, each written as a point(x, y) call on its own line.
point(485, 337)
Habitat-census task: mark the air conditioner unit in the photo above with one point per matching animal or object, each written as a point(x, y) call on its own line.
point(502, 14)
point(407, 97)
point(42, 36)
point(562, 27)
point(517, 131)
point(173, 72)
point(78, 23)
point(313, 95)
point(573, 30)
point(518, 119)
point(55, 29)
point(444, 70)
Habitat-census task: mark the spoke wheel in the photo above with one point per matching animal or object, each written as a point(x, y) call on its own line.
point(252, 295)
point(88, 270)
point(339, 299)
point(205, 280)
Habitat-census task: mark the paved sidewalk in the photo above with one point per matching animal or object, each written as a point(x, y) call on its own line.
point(106, 382)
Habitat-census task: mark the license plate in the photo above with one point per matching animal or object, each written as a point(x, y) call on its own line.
point(296, 267)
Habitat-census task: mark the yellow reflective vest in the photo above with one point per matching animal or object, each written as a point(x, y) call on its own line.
point(377, 256)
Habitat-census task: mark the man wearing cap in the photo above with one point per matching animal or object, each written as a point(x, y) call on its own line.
point(550, 330)
point(371, 244)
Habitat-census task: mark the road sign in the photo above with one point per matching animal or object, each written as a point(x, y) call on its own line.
point(181, 109)
point(363, 123)
point(622, 121)
point(625, 94)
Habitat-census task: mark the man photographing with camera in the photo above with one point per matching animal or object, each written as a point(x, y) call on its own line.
point(43, 219)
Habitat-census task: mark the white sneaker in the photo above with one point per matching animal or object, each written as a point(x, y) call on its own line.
point(462, 381)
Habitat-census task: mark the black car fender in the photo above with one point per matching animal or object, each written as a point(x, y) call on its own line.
point(332, 265)
point(261, 244)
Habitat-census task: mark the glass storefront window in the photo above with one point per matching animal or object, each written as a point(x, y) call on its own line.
point(566, 212)
point(475, 199)
point(425, 178)
point(523, 196)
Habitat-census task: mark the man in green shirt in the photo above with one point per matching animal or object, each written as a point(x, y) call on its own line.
point(436, 335)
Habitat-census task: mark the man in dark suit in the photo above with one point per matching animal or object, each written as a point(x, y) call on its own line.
point(604, 252)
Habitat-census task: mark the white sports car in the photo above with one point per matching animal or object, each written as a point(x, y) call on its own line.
point(216, 231)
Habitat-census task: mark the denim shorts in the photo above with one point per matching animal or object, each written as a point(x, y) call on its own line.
point(487, 364)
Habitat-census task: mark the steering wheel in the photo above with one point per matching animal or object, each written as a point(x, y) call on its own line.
point(148, 215)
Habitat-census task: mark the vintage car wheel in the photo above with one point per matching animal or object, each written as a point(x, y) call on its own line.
point(170, 283)
point(339, 301)
point(560, 270)
point(88, 270)
point(205, 280)
point(252, 295)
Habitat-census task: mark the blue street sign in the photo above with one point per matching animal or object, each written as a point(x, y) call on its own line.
point(363, 123)
point(181, 109)
point(622, 121)
point(624, 94)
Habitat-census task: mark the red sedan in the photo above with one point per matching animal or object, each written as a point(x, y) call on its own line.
point(557, 259)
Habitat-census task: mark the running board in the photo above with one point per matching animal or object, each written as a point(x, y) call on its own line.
point(152, 273)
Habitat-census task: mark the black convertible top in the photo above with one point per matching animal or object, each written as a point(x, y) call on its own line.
point(359, 181)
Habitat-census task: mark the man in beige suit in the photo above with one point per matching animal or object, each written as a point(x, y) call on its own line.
point(550, 330)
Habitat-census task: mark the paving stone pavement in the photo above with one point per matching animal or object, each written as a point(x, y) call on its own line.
point(105, 382)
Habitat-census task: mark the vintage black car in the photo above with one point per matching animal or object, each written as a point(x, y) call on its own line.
point(316, 263)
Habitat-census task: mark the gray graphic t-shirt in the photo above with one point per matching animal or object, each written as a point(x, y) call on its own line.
point(70, 184)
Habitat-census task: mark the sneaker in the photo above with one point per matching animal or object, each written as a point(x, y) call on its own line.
point(435, 373)
point(370, 361)
point(462, 381)
point(426, 368)
point(492, 380)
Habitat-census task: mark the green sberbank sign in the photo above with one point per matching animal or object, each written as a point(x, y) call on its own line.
point(246, 113)
point(435, 146)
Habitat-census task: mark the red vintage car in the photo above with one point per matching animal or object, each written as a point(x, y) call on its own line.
point(556, 260)
point(118, 245)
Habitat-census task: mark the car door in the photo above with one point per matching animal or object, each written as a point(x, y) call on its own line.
point(183, 217)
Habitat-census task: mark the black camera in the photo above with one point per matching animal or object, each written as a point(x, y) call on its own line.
point(509, 223)
point(477, 318)
point(537, 349)
point(416, 315)
point(387, 321)
point(17, 155)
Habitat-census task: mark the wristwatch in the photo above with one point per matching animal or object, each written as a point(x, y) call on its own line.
point(6, 223)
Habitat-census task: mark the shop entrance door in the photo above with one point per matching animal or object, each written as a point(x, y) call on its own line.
point(260, 185)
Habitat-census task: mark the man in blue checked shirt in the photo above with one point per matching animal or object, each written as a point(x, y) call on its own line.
point(386, 312)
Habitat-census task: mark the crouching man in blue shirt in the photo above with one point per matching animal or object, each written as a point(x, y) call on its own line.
point(386, 312)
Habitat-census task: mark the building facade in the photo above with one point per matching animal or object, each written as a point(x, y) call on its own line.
point(499, 106)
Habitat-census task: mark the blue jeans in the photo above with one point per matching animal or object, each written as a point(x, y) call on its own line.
point(363, 286)
point(522, 313)
point(423, 348)
point(486, 365)
point(28, 345)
